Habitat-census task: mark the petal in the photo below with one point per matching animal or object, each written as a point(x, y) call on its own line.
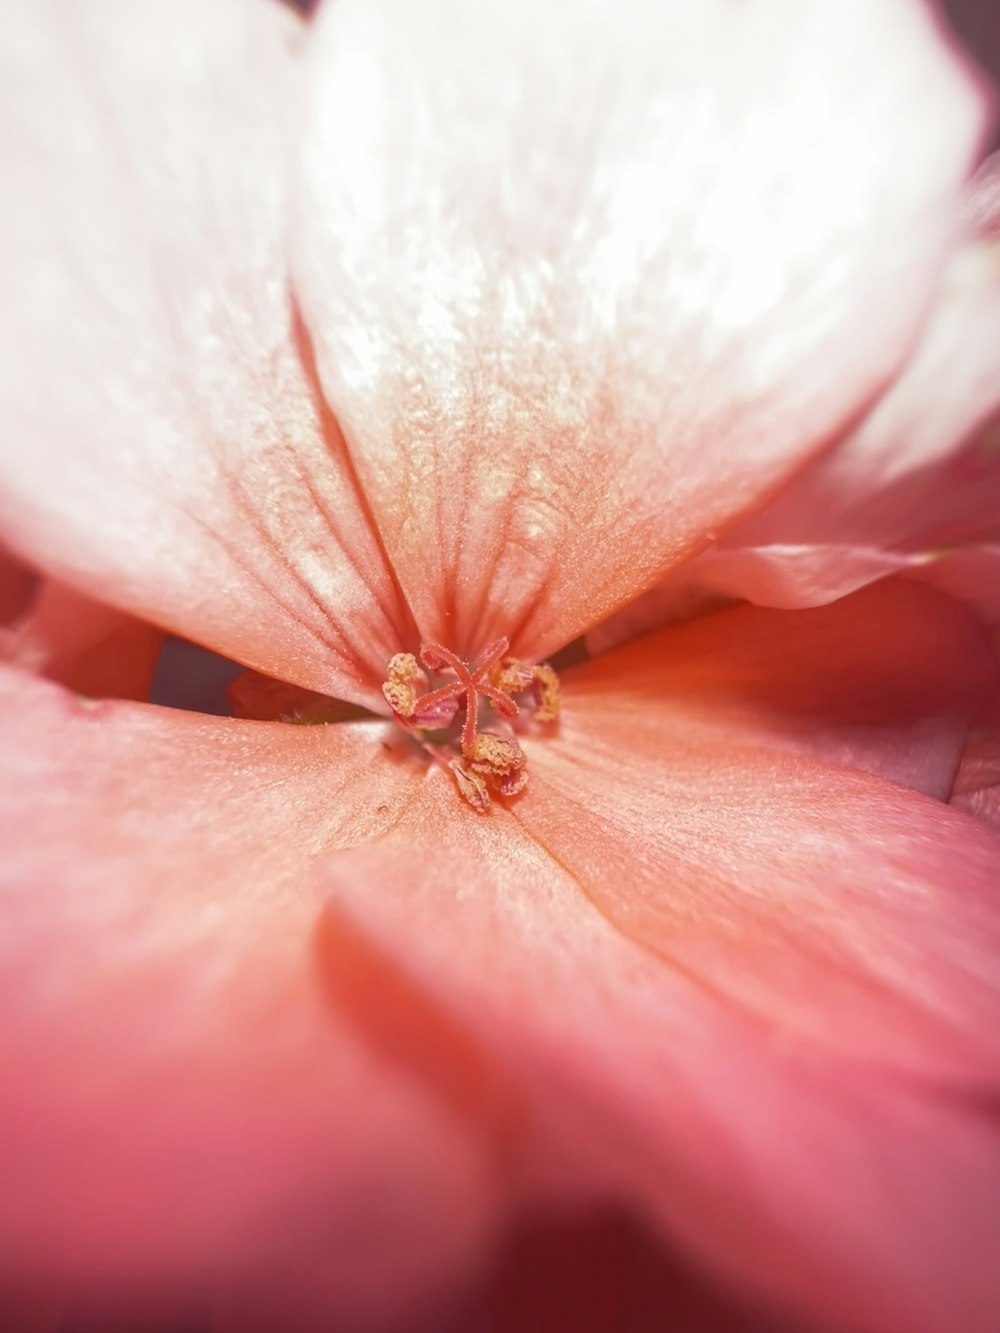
point(778, 576)
point(754, 992)
point(922, 471)
point(886, 681)
point(698, 747)
point(800, 576)
point(84, 644)
point(169, 450)
point(971, 575)
point(587, 281)
point(984, 198)
point(922, 468)
point(592, 1274)
point(182, 1107)
point(977, 783)
point(18, 583)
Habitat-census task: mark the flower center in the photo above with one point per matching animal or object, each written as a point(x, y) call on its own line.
point(481, 761)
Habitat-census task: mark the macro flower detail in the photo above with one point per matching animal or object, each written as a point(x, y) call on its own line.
point(485, 759)
point(394, 358)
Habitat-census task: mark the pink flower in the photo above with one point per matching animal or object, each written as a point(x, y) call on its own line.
point(444, 324)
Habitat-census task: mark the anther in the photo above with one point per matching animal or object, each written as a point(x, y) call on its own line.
point(403, 684)
point(516, 677)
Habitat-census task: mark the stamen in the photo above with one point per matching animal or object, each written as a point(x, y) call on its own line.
point(516, 677)
point(486, 759)
point(548, 693)
point(499, 758)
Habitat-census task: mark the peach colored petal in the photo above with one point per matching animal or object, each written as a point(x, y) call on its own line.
point(588, 280)
point(922, 468)
point(742, 870)
point(792, 576)
point(746, 988)
point(886, 681)
point(800, 576)
point(168, 447)
point(753, 993)
point(785, 577)
point(86, 645)
point(182, 1107)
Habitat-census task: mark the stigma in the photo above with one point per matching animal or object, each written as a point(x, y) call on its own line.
point(483, 764)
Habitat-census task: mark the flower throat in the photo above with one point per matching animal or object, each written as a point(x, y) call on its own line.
point(481, 761)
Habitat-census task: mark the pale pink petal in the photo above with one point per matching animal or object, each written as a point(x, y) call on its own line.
point(792, 576)
point(167, 448)
point(182, 1107)
point(786, 577)
point(587, 280)
point(86, 645)
point(800, 576)
point(984, 199)
point(922, 469)
point(921, 472)
point(753, 992)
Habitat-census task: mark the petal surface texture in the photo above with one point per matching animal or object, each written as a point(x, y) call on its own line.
point(168, 447)
point(751, 989)
point(919, 476)
point(922, 470)
point(181, 1103)
point(586, 280)
point(886, 680)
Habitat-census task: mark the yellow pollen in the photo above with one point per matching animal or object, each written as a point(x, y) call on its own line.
point(404, 684)
point(548, 693)
point(495, 754)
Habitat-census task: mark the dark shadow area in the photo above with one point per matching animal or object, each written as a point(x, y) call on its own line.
point(604, 1273)
point(193, 678)
point(976, 24)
